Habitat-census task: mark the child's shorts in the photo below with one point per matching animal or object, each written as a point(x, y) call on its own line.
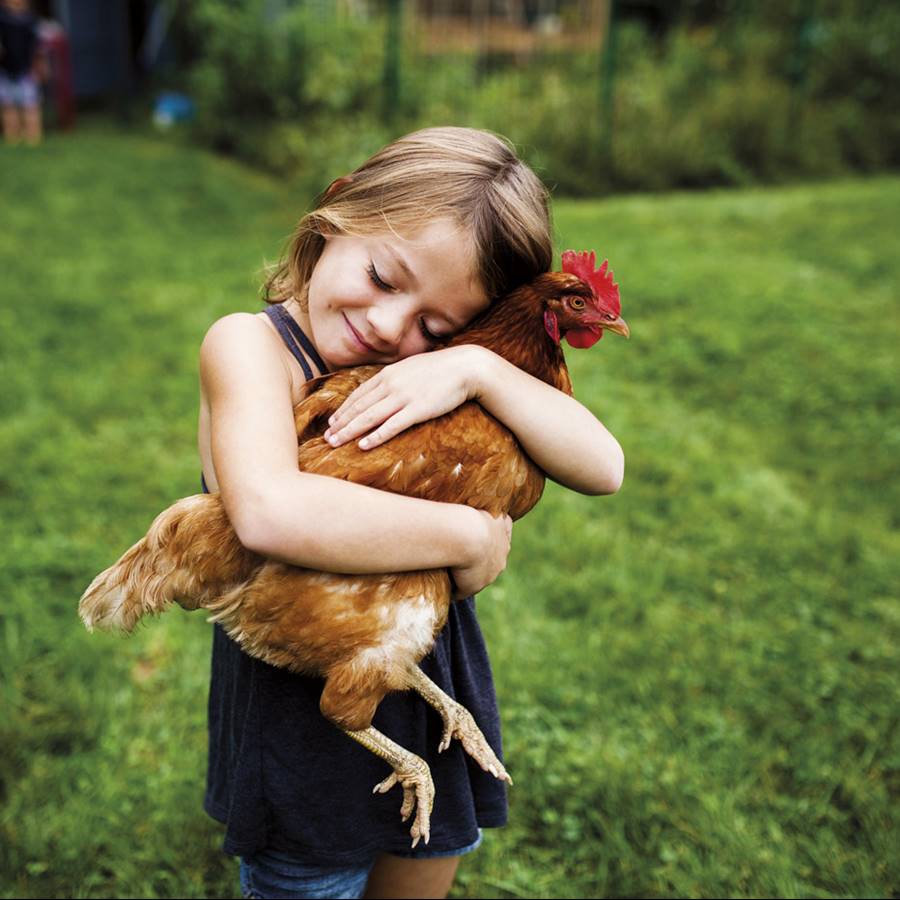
point(270, 874)
point(21, 91)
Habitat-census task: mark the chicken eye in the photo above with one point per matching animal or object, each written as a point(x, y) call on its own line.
point(577, 303)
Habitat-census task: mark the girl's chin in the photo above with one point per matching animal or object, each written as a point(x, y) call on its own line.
point(344, 356)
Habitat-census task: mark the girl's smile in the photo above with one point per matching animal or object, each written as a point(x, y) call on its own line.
point(381, 298)
point(358, 341)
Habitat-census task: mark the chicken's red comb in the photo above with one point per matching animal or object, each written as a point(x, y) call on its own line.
point(601, 280)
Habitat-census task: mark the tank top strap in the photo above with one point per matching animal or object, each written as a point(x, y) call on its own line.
point(294, 338)
point(292, 335)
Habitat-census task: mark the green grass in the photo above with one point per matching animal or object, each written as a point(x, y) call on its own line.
point(698, 677)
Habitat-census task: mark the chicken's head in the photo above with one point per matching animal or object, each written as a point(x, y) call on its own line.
point(580, 303)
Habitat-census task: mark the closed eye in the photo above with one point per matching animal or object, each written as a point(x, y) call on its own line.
point(382, 285)
point(430, 336)
point(378, 281)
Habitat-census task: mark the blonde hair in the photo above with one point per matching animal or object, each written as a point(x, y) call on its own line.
point(471, 177)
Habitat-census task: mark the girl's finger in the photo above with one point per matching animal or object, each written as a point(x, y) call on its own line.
point(358, 417)
point(367, 386)
point(371, 418)
point(400, 421)
point(353, 406)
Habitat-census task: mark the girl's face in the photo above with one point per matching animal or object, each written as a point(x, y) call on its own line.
point(381, 298)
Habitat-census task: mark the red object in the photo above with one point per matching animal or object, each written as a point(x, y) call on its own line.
point(605, 290)
point(601, 281)
point(54, 47)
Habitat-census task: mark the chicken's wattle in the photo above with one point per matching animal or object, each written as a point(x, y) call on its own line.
point(582, 338)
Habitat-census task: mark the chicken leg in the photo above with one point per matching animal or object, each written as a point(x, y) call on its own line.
point(411, 772)
point(458, 723)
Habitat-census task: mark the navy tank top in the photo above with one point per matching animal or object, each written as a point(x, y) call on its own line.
point(282, 777)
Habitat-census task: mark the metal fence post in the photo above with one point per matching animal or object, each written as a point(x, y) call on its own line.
point(393, 35)
point(607, 80)
point(798, 64)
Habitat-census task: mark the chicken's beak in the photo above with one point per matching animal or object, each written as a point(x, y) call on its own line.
point(596, 317)
point(617, 325)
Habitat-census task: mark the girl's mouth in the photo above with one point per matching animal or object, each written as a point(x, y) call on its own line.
point(357, 338)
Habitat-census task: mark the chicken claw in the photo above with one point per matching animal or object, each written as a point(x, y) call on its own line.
point(418, 794)
point(460, 724)
point(411, 772)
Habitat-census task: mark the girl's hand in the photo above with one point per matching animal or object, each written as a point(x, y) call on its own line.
point(492, 549)
point(414, 390)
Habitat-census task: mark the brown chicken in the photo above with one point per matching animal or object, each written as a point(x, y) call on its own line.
point(366, 634)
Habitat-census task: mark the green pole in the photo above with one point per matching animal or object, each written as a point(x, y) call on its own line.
point(607, 82)
point(392, 59)
point(798, 61)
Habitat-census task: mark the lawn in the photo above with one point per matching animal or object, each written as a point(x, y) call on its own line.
point(698, 676)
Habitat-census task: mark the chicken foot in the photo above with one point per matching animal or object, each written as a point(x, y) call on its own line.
point(411, 772)
point(458, 723)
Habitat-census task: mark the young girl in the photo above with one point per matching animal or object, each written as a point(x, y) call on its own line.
point(405, 250)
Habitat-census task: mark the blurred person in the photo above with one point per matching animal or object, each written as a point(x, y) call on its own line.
point(19, 65)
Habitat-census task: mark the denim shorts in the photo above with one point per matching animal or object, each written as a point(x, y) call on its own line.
point(269, 874)
point(21, 91)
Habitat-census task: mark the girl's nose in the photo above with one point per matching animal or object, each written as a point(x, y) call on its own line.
point(390, 321)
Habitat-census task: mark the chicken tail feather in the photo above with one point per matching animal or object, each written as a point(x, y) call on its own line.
point(190, 555)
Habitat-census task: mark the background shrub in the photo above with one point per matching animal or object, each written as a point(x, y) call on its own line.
point(727, 95)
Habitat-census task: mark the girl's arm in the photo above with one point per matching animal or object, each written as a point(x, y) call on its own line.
point(560, 434)
point(312, 520)
point(563, 437)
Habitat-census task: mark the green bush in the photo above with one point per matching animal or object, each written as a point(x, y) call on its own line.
point(267, 83)
point(775, 93)
point(856, 72)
